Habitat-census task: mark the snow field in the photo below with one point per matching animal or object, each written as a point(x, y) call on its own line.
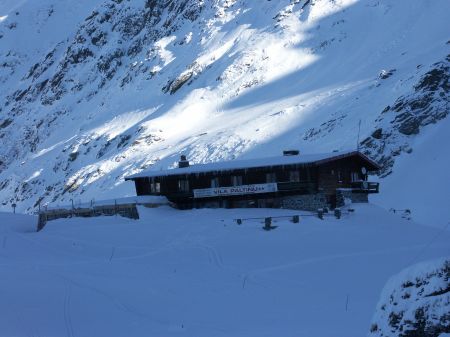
point(198, 273)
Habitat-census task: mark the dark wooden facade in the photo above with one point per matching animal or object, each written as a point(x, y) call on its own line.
point(325, 176)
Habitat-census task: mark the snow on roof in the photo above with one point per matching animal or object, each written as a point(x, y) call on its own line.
point(251, 163)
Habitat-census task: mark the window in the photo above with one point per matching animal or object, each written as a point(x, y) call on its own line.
point(355, 176)
point(294, 176)
point(142, 186)
point(236, 180)
point(271, 177)
point(183, 185)
point(155, 187)
point(215, 182)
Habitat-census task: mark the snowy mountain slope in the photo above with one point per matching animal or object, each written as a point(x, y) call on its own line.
point(426, 194)
point(126, 85)
point(201, 274)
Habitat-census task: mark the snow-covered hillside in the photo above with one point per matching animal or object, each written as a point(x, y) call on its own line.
point(198, 273)
point(91, 91)
point(416, 302)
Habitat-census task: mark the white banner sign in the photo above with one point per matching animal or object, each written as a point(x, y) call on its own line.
point(235, 190)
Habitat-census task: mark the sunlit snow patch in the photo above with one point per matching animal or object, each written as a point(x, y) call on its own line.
point(34, 175)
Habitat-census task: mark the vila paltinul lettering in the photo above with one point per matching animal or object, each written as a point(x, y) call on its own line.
point(246, 189)
point(235, 190)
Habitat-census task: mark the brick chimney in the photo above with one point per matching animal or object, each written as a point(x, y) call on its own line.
point(291, 152)
point(183, 162)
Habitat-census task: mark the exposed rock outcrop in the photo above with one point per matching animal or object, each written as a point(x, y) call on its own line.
point(415, 303)
point(428, 103)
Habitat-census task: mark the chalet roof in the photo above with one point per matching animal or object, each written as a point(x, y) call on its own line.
point(302, 159)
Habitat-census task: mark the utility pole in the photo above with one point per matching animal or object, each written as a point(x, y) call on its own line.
point(359, 130)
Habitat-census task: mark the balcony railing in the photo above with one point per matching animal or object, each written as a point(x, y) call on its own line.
point(365, 186)
point(298, 186)
point(301, 187)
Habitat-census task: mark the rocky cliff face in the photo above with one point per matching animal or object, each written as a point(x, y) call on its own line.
point(426, 103)
point(117, 45)
point(415, 303)
point(92, 91)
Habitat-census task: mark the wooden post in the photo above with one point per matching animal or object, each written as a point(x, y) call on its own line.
point(337, 213)
point(320, 213)
point(268, 223)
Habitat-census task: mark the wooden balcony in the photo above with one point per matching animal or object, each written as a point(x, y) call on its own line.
point(302, 187)
point(365, 187)
point(179, 195)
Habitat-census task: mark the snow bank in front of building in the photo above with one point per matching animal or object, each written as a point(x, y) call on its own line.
point(199, 273)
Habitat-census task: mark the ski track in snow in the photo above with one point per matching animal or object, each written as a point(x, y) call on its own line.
point(66, 310)
point(110, 298)
point(333, 257)
point(214, 256)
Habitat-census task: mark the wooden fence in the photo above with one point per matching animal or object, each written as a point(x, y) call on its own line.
point(128, 210)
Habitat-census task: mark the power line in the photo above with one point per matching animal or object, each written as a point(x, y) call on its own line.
point(414, 260)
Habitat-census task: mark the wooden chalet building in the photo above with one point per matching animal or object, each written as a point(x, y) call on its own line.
point(294, 180)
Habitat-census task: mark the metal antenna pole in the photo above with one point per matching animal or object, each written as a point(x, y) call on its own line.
point(359, 130)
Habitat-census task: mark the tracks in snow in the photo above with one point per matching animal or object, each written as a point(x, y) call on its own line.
point(67, 316)
point(214, 257)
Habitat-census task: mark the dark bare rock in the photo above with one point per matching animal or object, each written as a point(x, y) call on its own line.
point(415, 303)
point(427, 104)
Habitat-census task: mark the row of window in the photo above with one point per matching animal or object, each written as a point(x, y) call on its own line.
point(294, 176)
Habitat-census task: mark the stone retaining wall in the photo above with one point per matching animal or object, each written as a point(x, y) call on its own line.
point(306, 202)
point(355, 197)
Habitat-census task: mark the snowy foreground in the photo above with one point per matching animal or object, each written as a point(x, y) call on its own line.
point(200, 274)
